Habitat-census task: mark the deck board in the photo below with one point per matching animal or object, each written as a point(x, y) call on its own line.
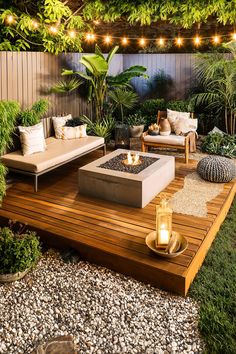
point(111, 234)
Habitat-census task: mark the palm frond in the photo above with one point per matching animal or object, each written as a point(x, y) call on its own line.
point(66, 86)
point(126, 98)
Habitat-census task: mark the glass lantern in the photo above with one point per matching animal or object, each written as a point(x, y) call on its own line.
point(163, 224)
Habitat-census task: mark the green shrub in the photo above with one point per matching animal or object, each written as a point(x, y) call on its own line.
point(32, 116)
point(18, 251)
point(180, 106)
point(220, 144)
point(149, 109)
point(101, 128)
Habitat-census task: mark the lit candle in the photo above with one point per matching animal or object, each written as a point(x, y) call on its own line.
point(164, 237)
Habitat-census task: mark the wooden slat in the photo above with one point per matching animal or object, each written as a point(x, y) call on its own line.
point(111, 234)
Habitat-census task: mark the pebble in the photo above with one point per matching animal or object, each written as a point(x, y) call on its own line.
point(104, 311)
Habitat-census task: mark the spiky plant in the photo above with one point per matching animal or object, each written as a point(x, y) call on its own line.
point(32, 116)
point(217, 74)
point(66, 86)
point(123, 98)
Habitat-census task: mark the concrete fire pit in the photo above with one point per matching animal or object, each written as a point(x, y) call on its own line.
point(130, 188)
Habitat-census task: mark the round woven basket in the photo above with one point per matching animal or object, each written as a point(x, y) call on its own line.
point(217, 169)
point(8, 278)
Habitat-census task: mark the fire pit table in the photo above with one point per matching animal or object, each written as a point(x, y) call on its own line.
point(131, 178)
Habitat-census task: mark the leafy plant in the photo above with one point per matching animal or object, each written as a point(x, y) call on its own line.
point(8, 114)
point(74, 122)
point(217, 74)
point(180, 106)
point(220, 144)
point(18, 251)
point(123, 98)
point(66, 86)
point(158, 85)
point(97, 67)
point(135, 120)
point(32, 116)
point(149, 109)
point(101, 128)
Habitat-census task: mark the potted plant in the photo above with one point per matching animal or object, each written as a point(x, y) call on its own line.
point(136, 125)
point(19, 252)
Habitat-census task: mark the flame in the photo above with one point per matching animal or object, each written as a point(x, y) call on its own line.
point(132, 159)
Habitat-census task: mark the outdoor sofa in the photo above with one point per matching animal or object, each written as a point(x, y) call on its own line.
point(58, 152)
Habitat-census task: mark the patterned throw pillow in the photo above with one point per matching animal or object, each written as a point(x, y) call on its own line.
point(173, 115)
point(58, 123)
point(74, 132)
point(32, 139)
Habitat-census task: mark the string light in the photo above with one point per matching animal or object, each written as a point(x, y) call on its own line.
point(53, 30)
point(72, 34)
point(90, 37)
point(197, 40)
point(124, 41)
point(107, 39)
point(35, 24)
point(234, 36)
point(9, 19)
point(142, 42)
point(216, 39)
point(96, 22)
point(179, 41)
point(161, 42)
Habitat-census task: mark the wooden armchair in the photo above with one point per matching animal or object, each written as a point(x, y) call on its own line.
point(172, 141)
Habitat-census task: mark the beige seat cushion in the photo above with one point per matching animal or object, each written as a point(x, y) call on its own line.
point(171, 139)
point(57, 152)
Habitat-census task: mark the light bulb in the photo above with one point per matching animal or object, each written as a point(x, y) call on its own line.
point(107, 39)
point(234, 36)
point(88, 36)
point(96, 22)
point(53, 30)
point(72, 34)
point(10, 19)
point(142, 42)
point(124, 41)
point(35, 24)
point(92, 37)
point(216, 39)
point(197, 40)
point(161, 42)
point(179, 41)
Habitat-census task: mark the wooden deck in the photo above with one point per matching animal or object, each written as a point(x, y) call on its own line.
point(113, 235)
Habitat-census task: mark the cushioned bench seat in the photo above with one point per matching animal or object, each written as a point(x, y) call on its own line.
point(57, 152)
point(171, 139)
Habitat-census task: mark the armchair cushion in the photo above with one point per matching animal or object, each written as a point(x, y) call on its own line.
point(171, 139)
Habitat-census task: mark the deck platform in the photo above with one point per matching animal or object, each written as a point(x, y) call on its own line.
point(111, 234)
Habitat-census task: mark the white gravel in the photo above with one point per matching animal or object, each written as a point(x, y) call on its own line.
point(105, 312)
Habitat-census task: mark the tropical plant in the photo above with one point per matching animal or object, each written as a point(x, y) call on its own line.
point(18, 251)
point(32, 116)
point(123, 98)
point(217, 74)
point(65, 86)
point(101, 128)
point(8, 115)
point(158, 85)
point(135, 119)
point(220, 144)
point(97, 67)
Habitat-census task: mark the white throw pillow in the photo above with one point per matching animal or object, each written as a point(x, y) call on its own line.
point(193, 124)
point(74, 132)
point(181, 126)
point(58, 123)
point(32, 139)
point(173, 115)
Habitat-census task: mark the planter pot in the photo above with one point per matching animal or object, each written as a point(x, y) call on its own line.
point(136, 131)
point(122, 136)
point(8, 278)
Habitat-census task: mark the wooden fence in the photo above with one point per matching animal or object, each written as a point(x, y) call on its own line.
point(26, 76)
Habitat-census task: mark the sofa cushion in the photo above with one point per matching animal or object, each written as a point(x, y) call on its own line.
point(58, 123)
point(32, 139)
point(58, 151)
point(171, 139)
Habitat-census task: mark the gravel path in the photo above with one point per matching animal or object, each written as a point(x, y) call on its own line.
point(105, 312)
